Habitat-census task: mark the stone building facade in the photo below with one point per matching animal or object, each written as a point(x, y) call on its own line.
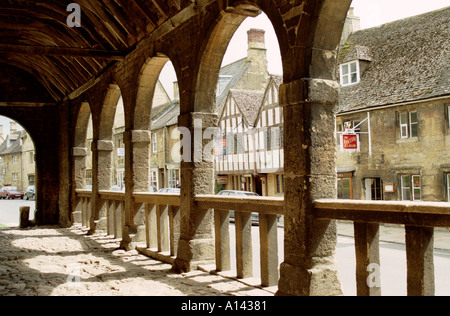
point(165, 147)
point(395, 98)
point(17, 159)
point(249, 149)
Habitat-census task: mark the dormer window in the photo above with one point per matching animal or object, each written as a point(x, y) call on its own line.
point(350, 73)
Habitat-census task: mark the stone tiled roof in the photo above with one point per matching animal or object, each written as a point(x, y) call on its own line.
point(15, 147)
point(406, 60)
point(236, 70)
point(167, 117)
point(249, 102)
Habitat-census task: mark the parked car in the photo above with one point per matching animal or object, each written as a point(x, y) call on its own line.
point(237, 192)
point(169, 190)
point(11, 193)
point(30, 193)
point(255, 216)
point(117, 188)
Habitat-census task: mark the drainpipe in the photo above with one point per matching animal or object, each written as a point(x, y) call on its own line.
point(369, 131)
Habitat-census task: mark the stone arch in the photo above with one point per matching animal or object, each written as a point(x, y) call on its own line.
point(309, 95)
point(81, 126)
point(108, 112)
point(18, 121)
point(148, 78)
point(103, 152)
point(198, 115)
point(211, 60)
point(81, 150)
point(27, 143)
point(308, 33)
point(327, 35)
point(138, 149)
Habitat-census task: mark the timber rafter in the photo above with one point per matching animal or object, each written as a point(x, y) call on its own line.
point(34, 36)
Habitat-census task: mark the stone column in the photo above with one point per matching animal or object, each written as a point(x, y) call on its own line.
point(420, 260)
point(79, 155)
point(137, 175)
point(196, 244)
point(102, 168)
point(310, 174)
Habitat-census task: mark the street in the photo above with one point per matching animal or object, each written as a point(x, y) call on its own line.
point(392, 257)
point(10, 211)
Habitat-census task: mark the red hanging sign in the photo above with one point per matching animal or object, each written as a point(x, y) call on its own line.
point(350, 141)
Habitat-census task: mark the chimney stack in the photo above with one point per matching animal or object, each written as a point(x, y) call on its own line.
point(176, 91)
point(352, 24)
point(256, 39)
point(12, 127)
point(257, 56)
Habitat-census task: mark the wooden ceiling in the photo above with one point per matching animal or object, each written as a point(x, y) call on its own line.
point(35, 37)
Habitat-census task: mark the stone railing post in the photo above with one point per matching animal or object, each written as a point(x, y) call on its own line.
point(137, 169)
point(196, 244)
point(140, 144)
point(102, 168)
point(79, 155)
point(309, 150)
point(420, 260)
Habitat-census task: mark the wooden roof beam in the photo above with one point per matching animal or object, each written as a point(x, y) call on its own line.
point(61, 51)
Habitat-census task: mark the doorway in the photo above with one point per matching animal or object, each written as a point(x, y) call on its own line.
point(259, 185)
point(373, 187)
point(345, 186)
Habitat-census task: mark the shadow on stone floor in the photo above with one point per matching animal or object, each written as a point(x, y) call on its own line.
point(48, 261)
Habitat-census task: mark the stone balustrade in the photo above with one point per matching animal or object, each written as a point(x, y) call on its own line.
point(163, 221)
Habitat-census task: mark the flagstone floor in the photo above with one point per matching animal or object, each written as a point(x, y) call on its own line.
point(66, 262)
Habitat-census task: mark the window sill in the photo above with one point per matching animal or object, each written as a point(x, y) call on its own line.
point(407, 140)
point(349, 85)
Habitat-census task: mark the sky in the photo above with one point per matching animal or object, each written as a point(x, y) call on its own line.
point(4, 121)
point(372, 13)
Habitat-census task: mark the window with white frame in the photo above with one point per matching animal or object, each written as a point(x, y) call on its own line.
point(339, 130)
point(239, 143)
point(89, 177)
point(154, 179)
point(448, 117)
point(279, 183)
point(411, 186)
point(154, 143)
point(409, 125)
point(277, 137)
point(267, 138)
point(174, 178)
point(120, 179)
point(349, 73)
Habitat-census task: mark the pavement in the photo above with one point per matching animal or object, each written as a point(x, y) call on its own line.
point(51, 261)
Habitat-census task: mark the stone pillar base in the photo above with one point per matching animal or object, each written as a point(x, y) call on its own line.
point(193, 253)
point(321, 280)
point(98, 226)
